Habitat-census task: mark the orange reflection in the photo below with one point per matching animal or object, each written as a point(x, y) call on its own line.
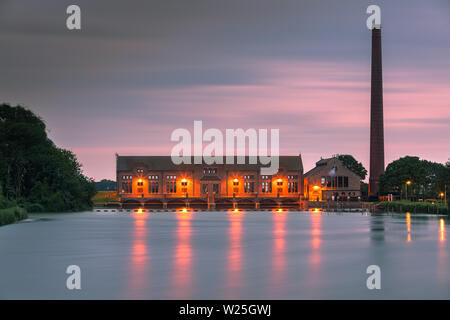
point(408, 226)
point(182, 257)
point(316, 231)
point(234, 270)
point(279, 258)
point(139, 256)
point(442, 253)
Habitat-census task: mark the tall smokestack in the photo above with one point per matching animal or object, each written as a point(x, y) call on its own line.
point(376, 115)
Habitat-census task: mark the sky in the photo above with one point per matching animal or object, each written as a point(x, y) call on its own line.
point(137, 70)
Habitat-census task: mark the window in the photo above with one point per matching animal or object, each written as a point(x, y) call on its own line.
point(204, 188)
point(249, 187)
point(340, 182)
point(292, 177)
point(216, 188)
point(266, 177)
point(235, 183)
point(140, 171)
point(153, 187)
point(184, 183)
point(171, 187)
point(266, 187)
point(140, 183)
point(345, 182)
point(251, 177)
point(292, 187)
point(126, 187)
point(323, 181)
point(153, 177)
point(279, 183)
point(209, 170)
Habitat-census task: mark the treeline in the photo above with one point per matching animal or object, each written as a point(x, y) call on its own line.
point(105, 185)
point(34, 173)
point(416, 178)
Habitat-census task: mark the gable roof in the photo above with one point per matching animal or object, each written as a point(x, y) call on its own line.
point(325, 163)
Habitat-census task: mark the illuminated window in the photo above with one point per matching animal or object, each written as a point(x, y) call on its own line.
point(249, 187)
point(266, 187)
point(140, 170)
point(292, 187)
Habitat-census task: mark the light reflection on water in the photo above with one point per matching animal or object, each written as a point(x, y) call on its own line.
point(182, 259)
point(234, 255)
point(139, 256)
point(279, 247)
point(228, 255)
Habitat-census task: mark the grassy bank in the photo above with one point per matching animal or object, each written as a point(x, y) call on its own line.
point(11, 215)
point(415, 207)
point(104, 197)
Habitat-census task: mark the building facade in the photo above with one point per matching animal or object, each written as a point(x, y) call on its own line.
point(155, 181)
point(330, 180)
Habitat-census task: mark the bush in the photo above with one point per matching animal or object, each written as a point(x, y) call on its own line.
point(11, 215)
point(34, 207)
point(415, 207)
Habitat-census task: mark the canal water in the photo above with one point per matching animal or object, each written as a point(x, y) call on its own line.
point(224, 255)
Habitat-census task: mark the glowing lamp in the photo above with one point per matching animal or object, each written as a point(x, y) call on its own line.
point(235, 180)
point(316, 187)
point(408, 182)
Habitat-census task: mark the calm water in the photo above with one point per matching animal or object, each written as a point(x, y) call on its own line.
point(219, 255)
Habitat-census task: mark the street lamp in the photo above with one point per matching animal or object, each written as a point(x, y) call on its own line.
point(442, 196)
point(408, 182)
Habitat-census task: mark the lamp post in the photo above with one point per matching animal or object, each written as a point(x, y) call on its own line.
point(442, 197)
point(407, 184)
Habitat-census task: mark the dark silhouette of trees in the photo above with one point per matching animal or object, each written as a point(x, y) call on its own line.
point(33, 171)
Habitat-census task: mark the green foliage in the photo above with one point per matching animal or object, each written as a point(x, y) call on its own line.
point(427, 178)
point(33, 171)
point(415, 207)
point(352, 164)
point(105, 185)
point(11, 215)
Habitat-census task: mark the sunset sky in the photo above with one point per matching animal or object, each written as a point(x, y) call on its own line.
point(140, 69)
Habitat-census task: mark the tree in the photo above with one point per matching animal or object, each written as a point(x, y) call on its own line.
point(33, 171)
point(352, 164)
point(105, 185)
point(427, 178)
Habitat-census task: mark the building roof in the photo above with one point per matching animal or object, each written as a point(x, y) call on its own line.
point(323, 163)
point(127, 163)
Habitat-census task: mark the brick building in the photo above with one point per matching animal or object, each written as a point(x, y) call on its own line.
point(156, 182)
point(331, 180)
